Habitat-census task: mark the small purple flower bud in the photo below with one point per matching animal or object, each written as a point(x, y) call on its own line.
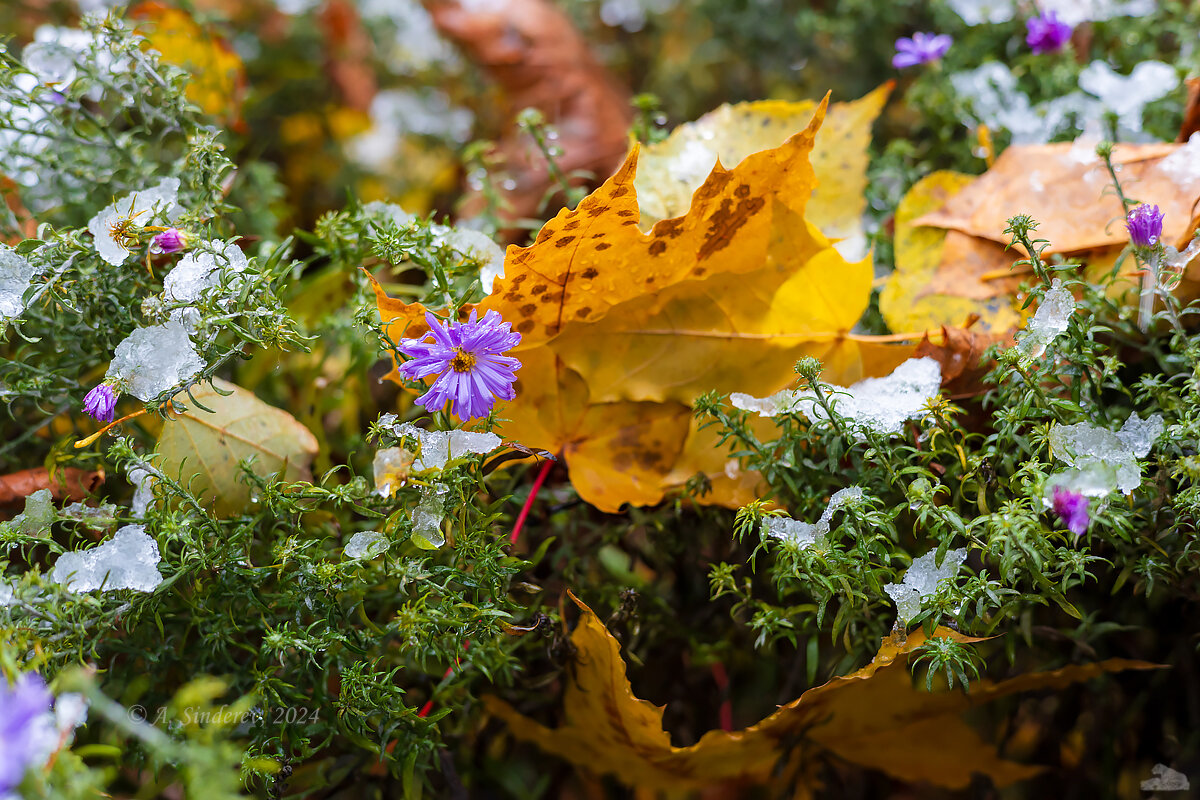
point(100, 403)
point(172, 240)
point(1047, 33)
point(920, 49)
point(1072, 509)
point(1145, 224)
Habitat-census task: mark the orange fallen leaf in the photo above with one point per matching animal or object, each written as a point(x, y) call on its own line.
point(69, 483)
point(874, 718)
point(622, 330)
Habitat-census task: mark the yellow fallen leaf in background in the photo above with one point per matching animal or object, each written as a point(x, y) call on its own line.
point(218, 83)
point(908, 302)
point(207, 447)
point(873, 717)
point(671, 170)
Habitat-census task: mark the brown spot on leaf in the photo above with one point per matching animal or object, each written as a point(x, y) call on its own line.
point(583, 312)
point(744, 190)
point(620, 191)
point(589, 273)
point(596, 211)
point(657, 247)
point(712, 186)
point(545, 234)
point(626, 212)
point(670, 228)
point(528, 309)
point(699, 271)
point(572, 225)
point(526, 326)
point(725, 222)
point(535, 291)
point(564, 241)
point(603, 246)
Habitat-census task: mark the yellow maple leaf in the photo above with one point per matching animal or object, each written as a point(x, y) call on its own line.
point(873, 717)
point(623, 330)
point(671, 170)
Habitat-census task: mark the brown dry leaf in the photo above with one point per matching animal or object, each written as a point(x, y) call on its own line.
point(69, 483)
point(959, 357)
point(538, 59)
point(874, 718)
point(623, 330)
point(348, 53)
point(1065, 187)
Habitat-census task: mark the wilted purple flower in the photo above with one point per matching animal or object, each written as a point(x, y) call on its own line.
point(921, 48)
point(172, 240)
point(473, 373)
point(20, 707)
point(100, 402)
point(1072, 508)
point(1144, 223)
point(1046, 33)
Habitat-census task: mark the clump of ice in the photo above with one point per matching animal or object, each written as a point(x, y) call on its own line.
point(38, 515)
point(1048, 321)
point(992, 96)
point(805, 534)
point(127, 561)
point(392, 466)
point(1183, 166)
point(1164, 779)
point(365, 544)
point(1072, 12)
point(1085, 446)
point(1127, 95)
point(101, 516)
point(427, 517)
point(196, 273)
point(437, 448)
point(152, 360)
point(6, 593)
point(921, 580)
point(879, 404)
point(143, 491)
point(16, 274)
point(151, 206)
point(477, 245)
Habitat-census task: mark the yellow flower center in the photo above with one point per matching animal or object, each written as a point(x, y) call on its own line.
point(462, 361)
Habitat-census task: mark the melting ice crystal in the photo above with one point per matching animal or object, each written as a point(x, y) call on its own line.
point(805, 534)
point(16, 274)
point(1090, 449)
point(921, 580)
point(880, 404)
point(1048, 321)
point(152, 360)
point(127, 561)
point(365, 544)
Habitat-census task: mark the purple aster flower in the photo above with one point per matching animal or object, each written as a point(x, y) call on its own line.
point(172, 240)
point(1144, 223)
point(100, 402)
point(467, 358)
point(921, 48)
point(21, 705)
point(1046, 33)
point(1072, 508)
